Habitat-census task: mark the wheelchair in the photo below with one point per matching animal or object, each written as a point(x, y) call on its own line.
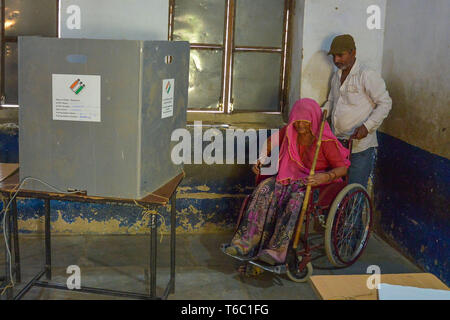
point(343, 213)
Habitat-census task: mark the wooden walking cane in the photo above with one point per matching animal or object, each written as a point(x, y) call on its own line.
point(308, 187)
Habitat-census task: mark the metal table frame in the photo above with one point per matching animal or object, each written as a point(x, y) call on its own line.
point(47, 270)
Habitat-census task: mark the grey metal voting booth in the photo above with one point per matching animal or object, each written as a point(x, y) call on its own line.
point(100, 113)
point(96, 117)
point(97, 109)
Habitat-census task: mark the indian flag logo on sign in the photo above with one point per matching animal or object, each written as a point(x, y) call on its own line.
point(77, 86)
point(168, 87)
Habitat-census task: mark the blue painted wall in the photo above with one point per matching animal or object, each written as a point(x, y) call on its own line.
point(9, 144)
point(193, 215)
point(208, 200)
point(412, 195)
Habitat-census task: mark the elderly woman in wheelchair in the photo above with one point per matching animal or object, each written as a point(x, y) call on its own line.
point(269, 220)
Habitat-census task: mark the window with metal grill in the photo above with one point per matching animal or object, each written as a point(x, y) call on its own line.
point(238, 49)
point(22, 18)
point(238, 53)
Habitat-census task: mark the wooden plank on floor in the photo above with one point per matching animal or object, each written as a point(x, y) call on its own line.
point(354, 287)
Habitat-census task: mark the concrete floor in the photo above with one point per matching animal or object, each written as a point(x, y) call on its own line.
point(202, 271)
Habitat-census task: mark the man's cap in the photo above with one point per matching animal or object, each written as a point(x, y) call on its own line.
point(341, 44)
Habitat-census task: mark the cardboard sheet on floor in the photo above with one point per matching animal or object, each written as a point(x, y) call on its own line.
point(394, 292)
point(7, 169)
point(354, 287)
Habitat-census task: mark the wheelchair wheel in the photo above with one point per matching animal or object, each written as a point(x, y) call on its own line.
point(348, 225)
point(292, 263)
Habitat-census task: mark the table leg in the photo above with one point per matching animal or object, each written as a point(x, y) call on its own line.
point(173, 227)
point(7, 229)
point(153, 241)
point(15, 227)
point(48, 249)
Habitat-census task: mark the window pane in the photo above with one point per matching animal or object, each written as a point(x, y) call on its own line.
point(256, 80)
point(30, 17)
point(11, 70)
point(259, 24)
point(199, 21)
point(205, 74)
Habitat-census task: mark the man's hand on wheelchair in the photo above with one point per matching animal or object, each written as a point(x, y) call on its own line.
point(317, 179)
point(360, 133)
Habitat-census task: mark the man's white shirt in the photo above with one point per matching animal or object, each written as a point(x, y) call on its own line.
point(362, 99)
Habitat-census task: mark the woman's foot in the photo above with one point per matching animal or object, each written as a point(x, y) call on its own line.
point(232, 250)
point(267, 258)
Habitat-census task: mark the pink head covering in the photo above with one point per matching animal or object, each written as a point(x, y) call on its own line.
point(291, 166)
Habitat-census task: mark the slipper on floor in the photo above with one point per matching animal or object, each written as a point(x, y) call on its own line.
point(250, 270)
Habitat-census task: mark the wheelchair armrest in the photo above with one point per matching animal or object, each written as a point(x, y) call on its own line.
point(327, 193)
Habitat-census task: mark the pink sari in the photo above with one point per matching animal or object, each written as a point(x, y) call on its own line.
point(291, 166)
point(272, 212)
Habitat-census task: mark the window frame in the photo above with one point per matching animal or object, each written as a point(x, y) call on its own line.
point(12, 39)
point(228, 47)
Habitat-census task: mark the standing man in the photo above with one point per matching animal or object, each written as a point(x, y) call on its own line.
point(358, 103)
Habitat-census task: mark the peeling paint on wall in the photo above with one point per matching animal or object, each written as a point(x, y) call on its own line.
point(201, 195)
point(196, 213)
point(208, 201)
point(203, 188)
point(9, 143)
point(413, 197)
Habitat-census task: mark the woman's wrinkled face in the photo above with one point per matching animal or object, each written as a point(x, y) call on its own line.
point(303, 127)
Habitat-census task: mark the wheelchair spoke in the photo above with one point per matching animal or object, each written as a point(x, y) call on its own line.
point(352, 226)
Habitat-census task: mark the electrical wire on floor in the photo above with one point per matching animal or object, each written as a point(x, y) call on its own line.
point(11, 284)
point(5, 210)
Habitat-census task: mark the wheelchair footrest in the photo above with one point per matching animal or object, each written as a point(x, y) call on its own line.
point(278, 269)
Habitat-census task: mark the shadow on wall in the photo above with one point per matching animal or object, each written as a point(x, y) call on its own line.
point(316, 77)
point(420, 108)
point(317, 73)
